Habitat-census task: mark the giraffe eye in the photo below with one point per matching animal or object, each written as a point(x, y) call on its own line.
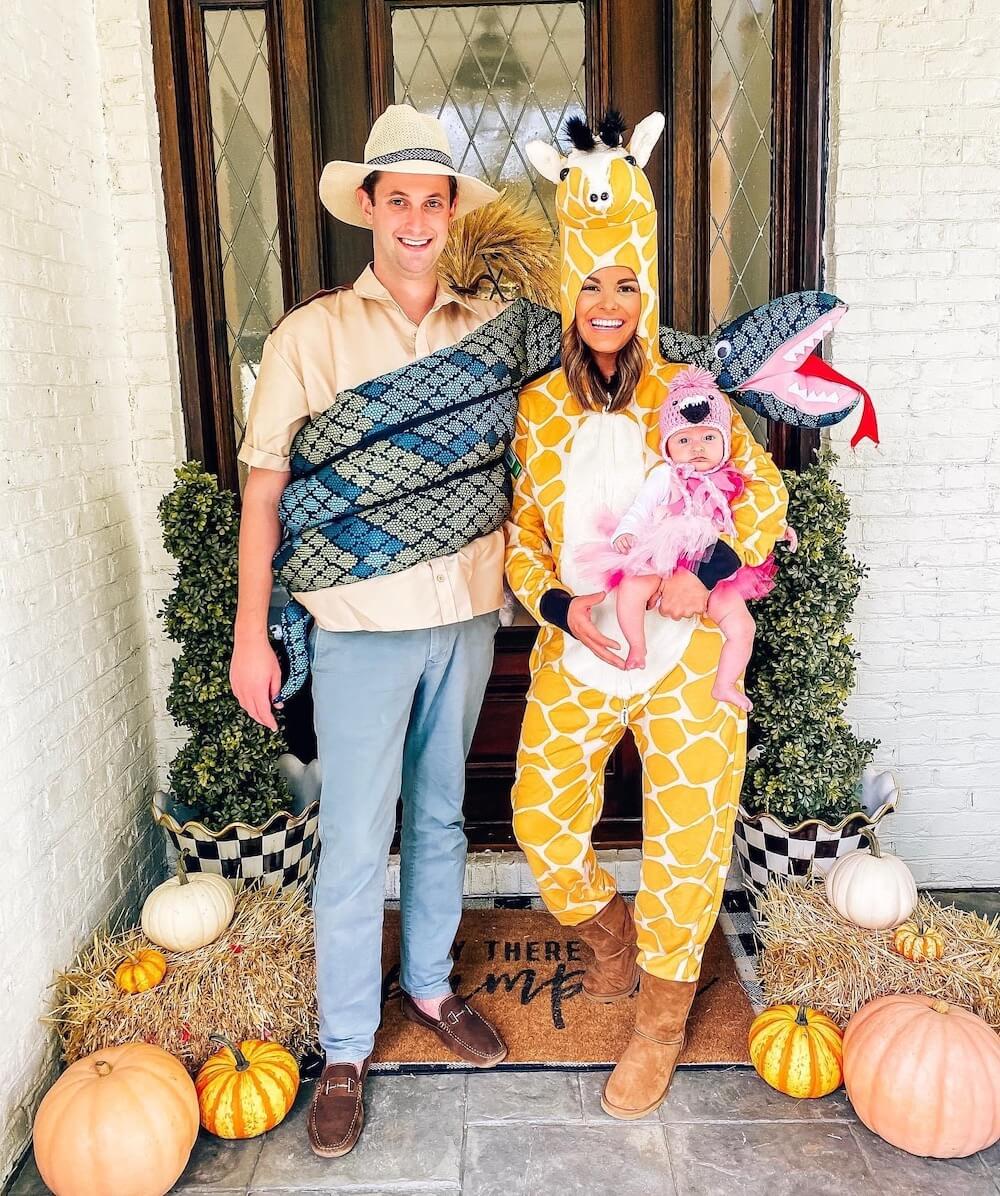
point(630, 160)
point(563, 173)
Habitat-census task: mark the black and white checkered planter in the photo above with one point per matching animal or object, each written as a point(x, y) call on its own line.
point(282, 853)
point(768, 850)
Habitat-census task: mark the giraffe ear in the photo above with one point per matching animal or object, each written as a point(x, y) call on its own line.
point(644, 136)
point(545, 158)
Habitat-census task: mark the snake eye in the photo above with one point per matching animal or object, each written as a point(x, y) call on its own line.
point(630, 160)
point(723, 349)
point(563, 173)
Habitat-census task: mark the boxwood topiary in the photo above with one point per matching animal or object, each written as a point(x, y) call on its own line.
point(227, 770)
point(806, 760)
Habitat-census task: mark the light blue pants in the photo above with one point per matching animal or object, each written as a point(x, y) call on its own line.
point(395, 713)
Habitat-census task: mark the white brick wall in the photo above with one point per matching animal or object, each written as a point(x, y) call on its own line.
point(914, 246)
point(89, 428)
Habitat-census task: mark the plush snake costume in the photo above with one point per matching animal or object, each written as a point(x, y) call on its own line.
point(412, 465)
point(407, 467)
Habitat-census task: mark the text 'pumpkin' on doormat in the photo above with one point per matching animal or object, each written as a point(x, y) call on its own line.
point(522, 971)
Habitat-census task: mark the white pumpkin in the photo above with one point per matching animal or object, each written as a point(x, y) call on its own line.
point(188, 910)
point(871, 889)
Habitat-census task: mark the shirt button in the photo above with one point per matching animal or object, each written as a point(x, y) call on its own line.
point(440, 576)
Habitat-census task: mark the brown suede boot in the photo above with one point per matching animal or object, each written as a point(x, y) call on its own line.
point(609, 948)
point(639, 1083)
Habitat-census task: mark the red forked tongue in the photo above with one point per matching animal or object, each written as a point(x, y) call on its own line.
point(816, 367)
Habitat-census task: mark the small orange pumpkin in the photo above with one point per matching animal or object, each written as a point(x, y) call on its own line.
point(247, 1089)
point(141, 971)
point(917, 941)
point(797, 1050)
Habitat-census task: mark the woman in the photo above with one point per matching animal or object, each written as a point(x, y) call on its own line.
point(586, 436)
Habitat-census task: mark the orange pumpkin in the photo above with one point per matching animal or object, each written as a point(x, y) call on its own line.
point(141, 971)
point(120, 1122)
point(925, 1075)
point(797, 1050)
point(916, 942)
point(246, 1090)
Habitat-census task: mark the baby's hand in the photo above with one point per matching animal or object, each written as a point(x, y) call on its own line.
point(624, 543)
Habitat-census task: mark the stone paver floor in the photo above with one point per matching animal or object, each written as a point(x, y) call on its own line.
point(524, 1133)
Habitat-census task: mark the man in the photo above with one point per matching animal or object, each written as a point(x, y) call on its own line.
point(400, 662)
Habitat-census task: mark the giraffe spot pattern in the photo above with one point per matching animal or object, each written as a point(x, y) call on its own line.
point(693, 749)
point(692, 772)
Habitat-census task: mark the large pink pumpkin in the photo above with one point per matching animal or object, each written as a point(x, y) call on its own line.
point(120, 1122)
point(924, 1075)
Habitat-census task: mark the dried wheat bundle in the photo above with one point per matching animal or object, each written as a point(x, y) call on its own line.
point(257, 981)
point(812, 956)
point(501, 249)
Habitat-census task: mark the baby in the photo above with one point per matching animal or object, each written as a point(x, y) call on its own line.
point(677, 517)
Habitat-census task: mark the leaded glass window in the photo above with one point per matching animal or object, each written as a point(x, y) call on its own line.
point(741, 150)
point(239, 87)
point(498, 76)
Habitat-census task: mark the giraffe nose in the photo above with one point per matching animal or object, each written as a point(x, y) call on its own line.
point(594, 197)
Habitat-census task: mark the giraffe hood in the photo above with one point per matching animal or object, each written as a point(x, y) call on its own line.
point(606, 214)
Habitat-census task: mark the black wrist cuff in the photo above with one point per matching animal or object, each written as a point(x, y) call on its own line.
point(554, 608)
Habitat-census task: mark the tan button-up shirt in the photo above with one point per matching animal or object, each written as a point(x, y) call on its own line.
point(330, 344)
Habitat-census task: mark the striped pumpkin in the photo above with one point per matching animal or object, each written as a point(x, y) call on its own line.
point(247, 1089)
point(797, 1050)
point(916, 941)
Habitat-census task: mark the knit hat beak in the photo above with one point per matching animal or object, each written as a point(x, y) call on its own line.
point(694, 401)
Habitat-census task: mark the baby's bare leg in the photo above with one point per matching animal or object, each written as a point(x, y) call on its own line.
point(729, 611)
point(630, 607)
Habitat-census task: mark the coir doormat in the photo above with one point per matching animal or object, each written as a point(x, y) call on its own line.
point(522, 970)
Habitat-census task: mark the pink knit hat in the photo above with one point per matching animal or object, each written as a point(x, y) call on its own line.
point(694, 401)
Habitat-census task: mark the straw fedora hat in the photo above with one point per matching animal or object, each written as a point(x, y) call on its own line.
point(403, 141)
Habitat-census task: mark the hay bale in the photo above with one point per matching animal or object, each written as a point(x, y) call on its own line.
point(812, 956)
point(257, 981)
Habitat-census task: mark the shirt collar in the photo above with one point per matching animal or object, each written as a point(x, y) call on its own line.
point(368, 286)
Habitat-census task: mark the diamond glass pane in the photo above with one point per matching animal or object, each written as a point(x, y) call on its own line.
point(498, 76)
point(246, 191)
point(741, 151)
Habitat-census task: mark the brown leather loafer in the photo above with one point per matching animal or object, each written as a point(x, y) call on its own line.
point(337, 1113)
point(463, 1031)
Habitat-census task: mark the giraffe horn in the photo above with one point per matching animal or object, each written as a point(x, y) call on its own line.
point(612, 128)
point(578, 131)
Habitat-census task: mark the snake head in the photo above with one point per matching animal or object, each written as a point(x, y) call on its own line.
point(766, 359)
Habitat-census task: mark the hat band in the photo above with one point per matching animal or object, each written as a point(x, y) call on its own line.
point(412, 155)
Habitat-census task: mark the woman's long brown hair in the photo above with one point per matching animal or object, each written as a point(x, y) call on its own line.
point(587, 382)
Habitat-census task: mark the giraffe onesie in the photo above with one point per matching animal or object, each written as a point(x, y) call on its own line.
point(573, 463)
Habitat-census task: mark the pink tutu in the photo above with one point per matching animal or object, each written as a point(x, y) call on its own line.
point(750, 581)
point(665, 542)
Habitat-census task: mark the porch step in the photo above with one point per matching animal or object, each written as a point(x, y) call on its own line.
point(505, 874)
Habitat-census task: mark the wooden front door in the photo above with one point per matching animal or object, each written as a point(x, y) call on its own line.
point(255, 95)
point(498, 75)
